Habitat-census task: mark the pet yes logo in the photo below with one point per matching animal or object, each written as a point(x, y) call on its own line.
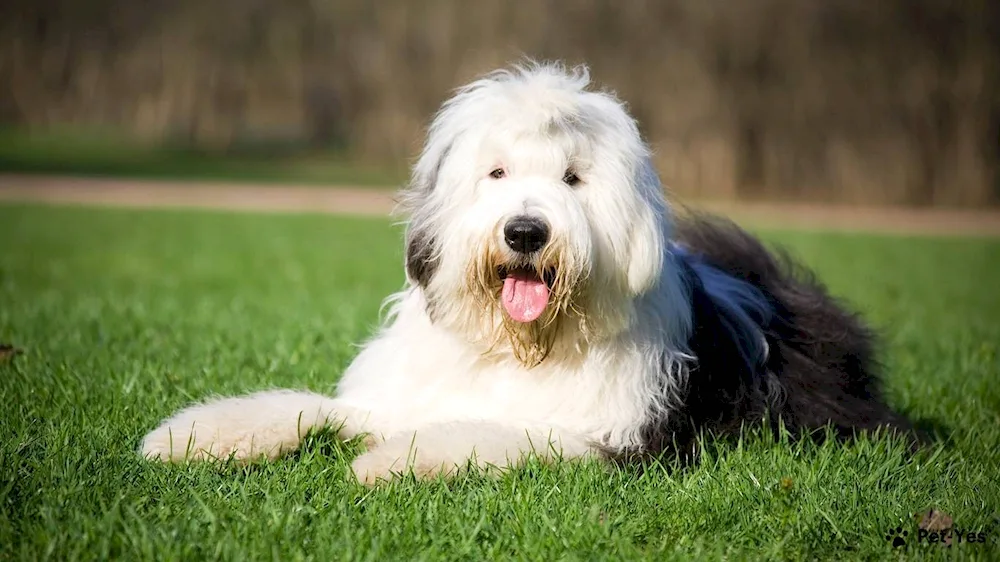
point(935, 527)
point(951, 536)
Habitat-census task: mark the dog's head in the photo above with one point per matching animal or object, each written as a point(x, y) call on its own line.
point(535, 212)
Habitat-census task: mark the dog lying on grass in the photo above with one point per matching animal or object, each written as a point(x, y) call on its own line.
point(555, 307)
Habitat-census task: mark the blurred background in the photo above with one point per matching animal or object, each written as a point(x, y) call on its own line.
point(875, 102)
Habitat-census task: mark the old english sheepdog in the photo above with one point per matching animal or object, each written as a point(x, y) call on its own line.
point(554, 307)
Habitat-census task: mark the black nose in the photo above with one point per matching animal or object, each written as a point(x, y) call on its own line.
point(526, 234)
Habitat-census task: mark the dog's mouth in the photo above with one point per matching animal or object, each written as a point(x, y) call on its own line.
point(525, 294)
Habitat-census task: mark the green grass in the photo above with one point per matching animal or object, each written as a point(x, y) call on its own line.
point(124, 317)
point(78, 152)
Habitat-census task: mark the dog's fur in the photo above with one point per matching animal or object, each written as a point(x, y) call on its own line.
point(653, 332)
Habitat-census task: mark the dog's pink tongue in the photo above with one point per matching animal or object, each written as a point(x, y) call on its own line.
point(525, 296)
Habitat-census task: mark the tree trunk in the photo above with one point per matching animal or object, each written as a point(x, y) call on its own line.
point(749, 159)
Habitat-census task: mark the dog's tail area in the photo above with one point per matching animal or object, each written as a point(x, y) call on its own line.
point(821, 353)
point(261, 425)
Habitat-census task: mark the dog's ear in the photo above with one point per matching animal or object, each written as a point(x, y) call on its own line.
point(421, 245)
point(647, 237)
point(421, 255)
point(645, 260)
point(428, 168)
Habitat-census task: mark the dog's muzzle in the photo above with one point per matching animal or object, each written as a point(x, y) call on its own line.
point(525, 235)
point(526, 291)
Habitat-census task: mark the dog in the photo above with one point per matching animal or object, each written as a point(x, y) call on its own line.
point(555, 308)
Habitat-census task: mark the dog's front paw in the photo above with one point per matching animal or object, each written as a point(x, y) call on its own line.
point(398, 458)
point(168, 443)
point(177, 441)
point(173, 442)
point(448, 449)
point(259, 426)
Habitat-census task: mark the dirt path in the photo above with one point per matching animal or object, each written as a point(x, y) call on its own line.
point(165, 194)
point(376, 202)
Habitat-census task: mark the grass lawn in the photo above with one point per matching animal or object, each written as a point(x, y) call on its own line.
point(123, 317)
point(94, 153)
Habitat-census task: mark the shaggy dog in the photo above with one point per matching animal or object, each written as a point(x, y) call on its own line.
point(554, 307)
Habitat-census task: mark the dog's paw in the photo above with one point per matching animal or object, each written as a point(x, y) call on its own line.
point(448, 449)
point(260, 426)
point(395, 459)
point(174, 443)
point(177, 442)
point(169, 444)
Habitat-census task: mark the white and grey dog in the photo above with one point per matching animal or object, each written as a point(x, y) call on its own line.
point(553, 307)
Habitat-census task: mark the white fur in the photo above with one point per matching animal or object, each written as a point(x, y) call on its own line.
point(439, 387)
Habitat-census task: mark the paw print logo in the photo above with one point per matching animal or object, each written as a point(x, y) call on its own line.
point(897, 536)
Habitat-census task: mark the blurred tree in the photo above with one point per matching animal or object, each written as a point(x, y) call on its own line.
point(896, 101)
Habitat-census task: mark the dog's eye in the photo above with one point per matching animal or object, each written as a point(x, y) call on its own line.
point(498, 173)
point(570, 178)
